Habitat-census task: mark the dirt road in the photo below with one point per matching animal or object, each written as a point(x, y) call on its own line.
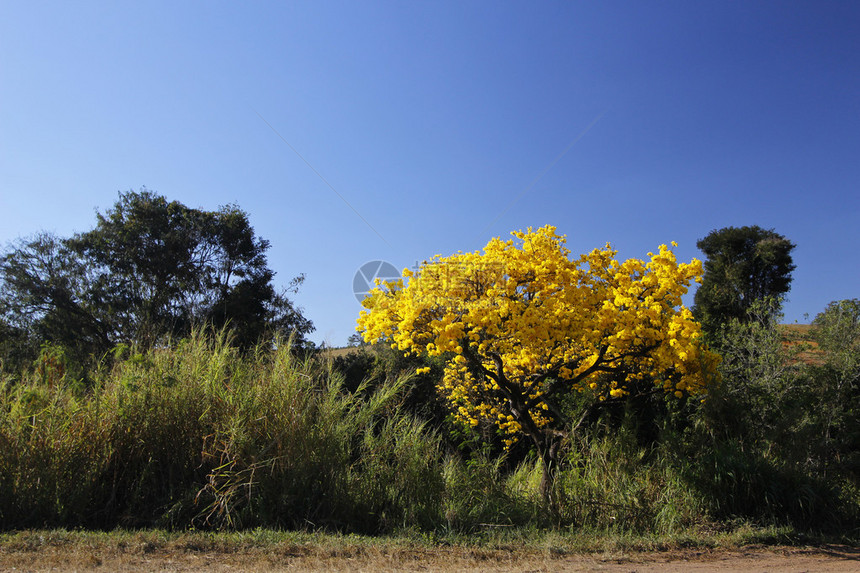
point(747, 560)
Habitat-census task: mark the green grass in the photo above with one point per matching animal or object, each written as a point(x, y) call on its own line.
point(197, 438)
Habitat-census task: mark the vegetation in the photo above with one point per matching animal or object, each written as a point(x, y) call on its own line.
point(647, 438)
point(151, 269)
point(198, 435)
point(521, 327)
point(742, 265)
point(498, 549)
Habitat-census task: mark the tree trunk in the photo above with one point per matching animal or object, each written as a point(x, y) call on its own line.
point(549, 460)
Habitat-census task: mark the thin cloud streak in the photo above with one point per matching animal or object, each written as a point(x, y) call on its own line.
point(544, 172)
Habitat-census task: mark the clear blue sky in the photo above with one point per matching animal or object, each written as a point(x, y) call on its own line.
point(443, 124)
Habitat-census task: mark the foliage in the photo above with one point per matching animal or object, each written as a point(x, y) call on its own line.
point(355, 340)
point(17, 346)
point(150, 269)
point(837, 330)
point(521, 325)
point(479, 493)
point(758, 378)
point(801, 411)
point(734, 483)
point(837, 387)
point(368, 367)
point(742, 265)
point(777, 438)
point(613, 482)
point(586, 358)
point(45, 297)
point(199, 436)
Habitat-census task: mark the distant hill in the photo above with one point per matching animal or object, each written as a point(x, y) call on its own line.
point(337, 352)
point(801, 335)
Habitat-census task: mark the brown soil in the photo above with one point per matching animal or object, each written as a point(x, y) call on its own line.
point(798, 338)
point(747, 559)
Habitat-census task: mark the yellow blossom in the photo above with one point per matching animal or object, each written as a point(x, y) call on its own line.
point(522, 322)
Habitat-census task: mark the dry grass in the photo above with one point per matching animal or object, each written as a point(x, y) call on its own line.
point(332, 353)
point(294, 551)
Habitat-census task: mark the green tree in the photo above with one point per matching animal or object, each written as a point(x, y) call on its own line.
point(44, 298)
point(761, 440)
point(758, 379)
point(743, 265)
point(837, 329)
point(835, 380)
point(16, 347)
point(151, 268)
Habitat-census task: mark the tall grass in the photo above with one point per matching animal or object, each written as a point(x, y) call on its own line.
point(196, 435)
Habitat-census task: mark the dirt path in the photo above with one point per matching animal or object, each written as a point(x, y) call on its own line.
point(746, 560)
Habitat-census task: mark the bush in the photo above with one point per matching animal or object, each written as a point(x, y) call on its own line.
point(767, 433)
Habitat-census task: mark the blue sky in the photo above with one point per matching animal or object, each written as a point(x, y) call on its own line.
point(443, 124)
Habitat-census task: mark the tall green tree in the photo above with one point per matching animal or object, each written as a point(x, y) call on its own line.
point(150, 269)
point(742, 265)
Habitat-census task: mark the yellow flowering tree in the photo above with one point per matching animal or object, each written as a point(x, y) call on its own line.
point(522, 323)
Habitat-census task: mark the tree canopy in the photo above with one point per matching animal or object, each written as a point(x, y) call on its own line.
point(742, 265)
point(151, 268)
point(520, 325)
point(837, 327)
